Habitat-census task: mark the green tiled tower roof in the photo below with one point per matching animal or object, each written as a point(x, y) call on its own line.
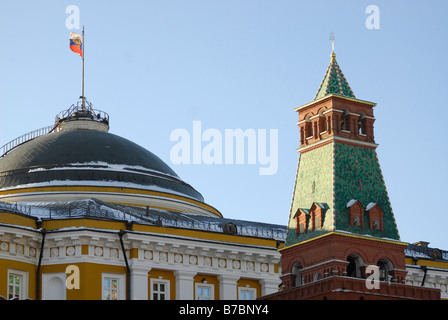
point(338, 170)
point(336, 174)
point(334, 82)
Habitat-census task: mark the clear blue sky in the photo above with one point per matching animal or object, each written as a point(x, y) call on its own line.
point(156, 66)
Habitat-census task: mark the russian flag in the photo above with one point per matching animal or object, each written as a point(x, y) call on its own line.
point(76, 43)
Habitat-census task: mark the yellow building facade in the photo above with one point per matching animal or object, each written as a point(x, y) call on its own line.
point(427, 267)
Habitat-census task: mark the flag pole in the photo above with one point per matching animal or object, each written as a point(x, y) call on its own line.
point(83, 103)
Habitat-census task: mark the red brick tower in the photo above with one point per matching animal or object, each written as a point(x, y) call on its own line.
point(342, 234)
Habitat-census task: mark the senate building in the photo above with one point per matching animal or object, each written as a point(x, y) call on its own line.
point(89, 215)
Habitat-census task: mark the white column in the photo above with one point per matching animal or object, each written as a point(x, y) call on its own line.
point(139, 282)
point(184, 285)
point(228, 287)
point(269, 286)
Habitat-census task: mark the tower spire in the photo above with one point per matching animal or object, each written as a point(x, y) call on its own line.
point(332, 38)
point(334, 81)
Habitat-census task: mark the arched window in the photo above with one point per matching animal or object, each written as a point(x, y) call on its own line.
point(345, 121)
point(362, 124)
point(297, 270)
point(309, 130)
point(385, 267)
point(322, 122)
point(354, 266)
point(356, 222)
point(342, 122)
point(351, 268)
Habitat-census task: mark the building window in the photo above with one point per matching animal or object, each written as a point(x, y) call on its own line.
point(17, 284)
point(345, 121)
point(110, 289)
point(382, 271)
point(309, 129)
point(322, 123)
point(204, 291)
point(297, 270)
point(247, 293)
point(356, 212)
point(375, 215)
point(385, 267)
point(160, 289)
point(317, 212)
point(316, 219)
point(362, 124)
point(113, 286)
point(354, 266)
point(303, 222)
point(301, 218)
point(356, 222)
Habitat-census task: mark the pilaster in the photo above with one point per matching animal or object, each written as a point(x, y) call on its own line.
point(228, 287)
point(139, 282)
point(184, 285)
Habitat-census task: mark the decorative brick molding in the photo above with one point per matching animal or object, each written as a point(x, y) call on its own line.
point(346, 288)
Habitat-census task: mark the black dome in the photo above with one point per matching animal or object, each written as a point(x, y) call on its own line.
point(89, 155)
